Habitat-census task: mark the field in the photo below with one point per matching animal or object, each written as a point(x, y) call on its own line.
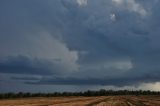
point(85, 101)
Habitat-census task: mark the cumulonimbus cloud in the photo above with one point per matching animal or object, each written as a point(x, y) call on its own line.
point(52, 44)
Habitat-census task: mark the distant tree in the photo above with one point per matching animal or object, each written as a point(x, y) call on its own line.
point(101, 92)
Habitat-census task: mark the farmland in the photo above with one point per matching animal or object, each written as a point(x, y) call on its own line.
point(84, 101)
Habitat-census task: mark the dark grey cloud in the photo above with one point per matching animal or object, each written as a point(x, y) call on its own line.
point(81, 42)
point(25, 65)
point(119, 82)
point(26, 78)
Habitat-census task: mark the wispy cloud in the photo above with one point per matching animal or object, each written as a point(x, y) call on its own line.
point(131, 5)
point(82, 2)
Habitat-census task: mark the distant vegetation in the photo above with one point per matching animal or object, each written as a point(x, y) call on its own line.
point(86, 93)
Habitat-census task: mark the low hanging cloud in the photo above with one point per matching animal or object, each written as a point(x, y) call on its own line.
point(119, 82)
point(30, 66)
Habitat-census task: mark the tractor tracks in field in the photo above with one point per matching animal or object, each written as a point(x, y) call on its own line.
point(117, 101)
point(95, 103)
point(135, 103)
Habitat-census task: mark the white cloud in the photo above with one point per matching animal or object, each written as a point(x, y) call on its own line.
point(82, 2)
point(150, 86)
point(118, 1)
point(131, 5)
point(52, 48)
point(44, 46)
point(143, 86)
point(113, 17)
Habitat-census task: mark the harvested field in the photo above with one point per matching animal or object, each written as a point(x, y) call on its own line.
point(85, 101)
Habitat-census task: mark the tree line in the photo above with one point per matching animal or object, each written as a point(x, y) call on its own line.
point(101, 92)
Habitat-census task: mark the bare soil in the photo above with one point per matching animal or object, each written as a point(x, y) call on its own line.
point(85, 101)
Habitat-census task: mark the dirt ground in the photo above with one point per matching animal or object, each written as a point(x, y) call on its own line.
point(85, 101)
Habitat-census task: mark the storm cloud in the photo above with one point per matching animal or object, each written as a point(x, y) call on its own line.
point(81, 42)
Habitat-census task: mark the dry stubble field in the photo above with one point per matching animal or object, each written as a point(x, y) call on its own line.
point(86, 101)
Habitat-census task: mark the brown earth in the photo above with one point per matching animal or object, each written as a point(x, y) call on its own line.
point(85, 101)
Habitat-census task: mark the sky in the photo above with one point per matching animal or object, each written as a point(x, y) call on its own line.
point(76, 45)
